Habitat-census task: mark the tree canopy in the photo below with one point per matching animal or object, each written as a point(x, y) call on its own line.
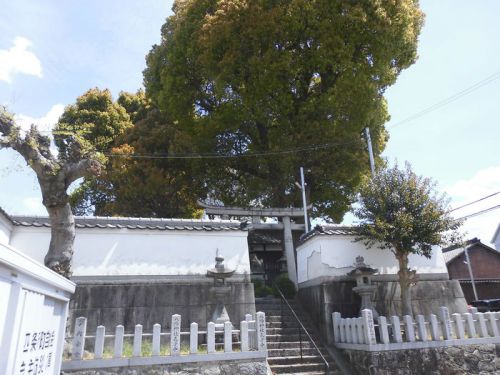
point(402, 212)
point(282, 84)
point(130, 185)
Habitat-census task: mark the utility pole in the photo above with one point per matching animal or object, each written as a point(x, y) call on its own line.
point(303, 188)
point(370, 150)
point(469, 266)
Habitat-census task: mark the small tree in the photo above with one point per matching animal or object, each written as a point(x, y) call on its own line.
point(402, 212)
point(76, 158)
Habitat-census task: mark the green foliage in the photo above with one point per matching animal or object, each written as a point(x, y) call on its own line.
point(261, 290)
point(286, 286)
point(95, 118)
point(241, 77)
point(401, 211)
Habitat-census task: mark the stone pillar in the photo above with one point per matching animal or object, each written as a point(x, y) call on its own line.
point(289, 250)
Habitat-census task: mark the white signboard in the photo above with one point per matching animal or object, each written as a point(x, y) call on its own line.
point(39, 334)
point(33, 309)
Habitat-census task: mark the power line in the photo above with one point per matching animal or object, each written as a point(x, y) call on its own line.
point(228, 156)
point(478, 200)
point(479, 212)
point(448, 100)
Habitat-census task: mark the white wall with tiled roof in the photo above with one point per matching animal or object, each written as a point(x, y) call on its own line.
point(119, 252)
point(135, 246)
point(333, 255)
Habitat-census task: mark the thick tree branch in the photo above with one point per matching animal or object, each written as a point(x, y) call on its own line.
point(83, 168)
point(34, 147)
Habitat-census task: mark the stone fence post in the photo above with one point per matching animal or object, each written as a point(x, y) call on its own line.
point(369, 327)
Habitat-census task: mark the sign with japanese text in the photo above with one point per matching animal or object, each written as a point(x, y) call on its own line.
point(39, 335)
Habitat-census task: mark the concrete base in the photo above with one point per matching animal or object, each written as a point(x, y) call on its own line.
point(337, 296)
point(109, 303)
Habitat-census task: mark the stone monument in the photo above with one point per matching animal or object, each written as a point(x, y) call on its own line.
point(220, 290)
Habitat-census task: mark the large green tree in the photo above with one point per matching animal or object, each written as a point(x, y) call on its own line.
point(402, 212)
point(282, 84)
point(131, 185)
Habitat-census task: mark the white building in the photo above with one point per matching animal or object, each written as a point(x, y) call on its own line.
point(329, 253)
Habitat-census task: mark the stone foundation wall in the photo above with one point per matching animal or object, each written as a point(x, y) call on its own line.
point(454, 360)
point(337, 296)
point(199, 368)
point(155, 301)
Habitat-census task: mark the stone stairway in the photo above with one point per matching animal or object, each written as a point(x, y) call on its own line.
point(283, 341)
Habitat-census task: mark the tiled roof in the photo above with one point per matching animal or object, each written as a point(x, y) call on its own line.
point(330, 230)
point(135, 223)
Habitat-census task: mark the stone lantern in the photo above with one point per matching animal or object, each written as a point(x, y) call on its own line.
point(220, 290)
point(364, 287)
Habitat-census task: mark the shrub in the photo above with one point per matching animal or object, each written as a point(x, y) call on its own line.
point(286, 286)
point(261, 290)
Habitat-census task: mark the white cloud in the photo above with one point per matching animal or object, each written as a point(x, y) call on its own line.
point(482, 184)
point(18, 59)
point(44, 123)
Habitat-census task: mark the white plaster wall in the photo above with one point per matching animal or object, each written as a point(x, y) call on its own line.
point(335, 255)
point(120, 252)
point(5, 230)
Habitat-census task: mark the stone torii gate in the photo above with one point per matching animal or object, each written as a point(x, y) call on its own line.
point(286, 214)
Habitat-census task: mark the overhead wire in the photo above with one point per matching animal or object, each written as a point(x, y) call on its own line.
point(448, 100)
point(230, 156)
point(476, 201)
point(479, 212)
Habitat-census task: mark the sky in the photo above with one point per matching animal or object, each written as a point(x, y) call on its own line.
point(444, 108)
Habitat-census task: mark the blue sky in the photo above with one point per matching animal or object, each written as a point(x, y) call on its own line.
point(53, 51)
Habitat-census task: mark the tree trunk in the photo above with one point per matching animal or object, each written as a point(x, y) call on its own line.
point(405, 281)
point(62, 223)
point(62, 229)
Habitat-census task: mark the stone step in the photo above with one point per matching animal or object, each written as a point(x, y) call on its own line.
point(290, 352)
point(288, 322)
point(290, 337)
point(298, 368)
point(283, 340)
point(310, 359)
point(277, 311)
point(288, 345)
point(286, 331)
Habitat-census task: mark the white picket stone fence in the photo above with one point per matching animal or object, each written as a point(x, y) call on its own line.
point(364, 333)
point(250, 340)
